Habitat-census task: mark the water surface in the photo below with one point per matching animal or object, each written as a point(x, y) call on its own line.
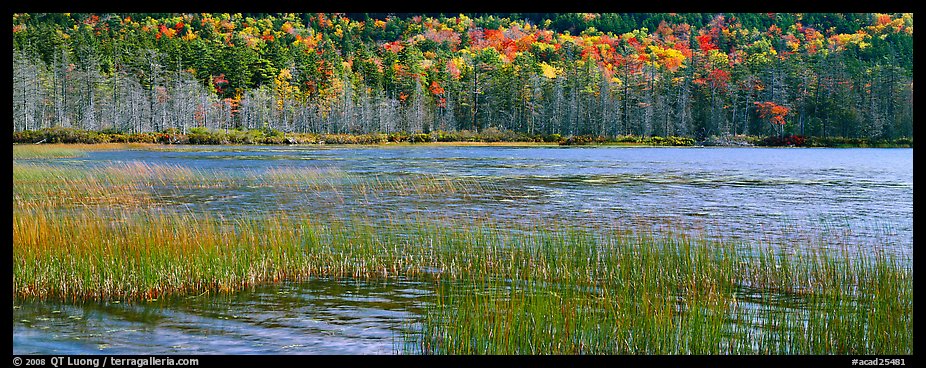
point(859, 196)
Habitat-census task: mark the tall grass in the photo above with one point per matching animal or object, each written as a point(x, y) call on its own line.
point(544, 287)
point(141, 184)
point(528, 291)
point(46, 151)
point(62, 150)
point(666, 297)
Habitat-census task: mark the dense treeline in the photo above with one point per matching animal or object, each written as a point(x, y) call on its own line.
point(571, 74)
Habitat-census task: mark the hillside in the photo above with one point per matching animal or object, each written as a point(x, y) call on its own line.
point(690, 75)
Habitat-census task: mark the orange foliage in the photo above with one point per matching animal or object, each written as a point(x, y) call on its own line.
point(436, 89)
point(775, 113)
point(883, 19)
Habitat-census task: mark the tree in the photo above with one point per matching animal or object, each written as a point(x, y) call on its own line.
point(775, 115)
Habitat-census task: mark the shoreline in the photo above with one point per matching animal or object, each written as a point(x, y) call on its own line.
point(488, 138)
point(136, 145)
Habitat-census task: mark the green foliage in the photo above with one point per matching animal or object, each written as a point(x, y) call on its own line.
point(628, 139)
point(504, 70)
point(60, 135)
point(488, 135)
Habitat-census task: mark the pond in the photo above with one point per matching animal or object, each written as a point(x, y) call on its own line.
point(856, 196)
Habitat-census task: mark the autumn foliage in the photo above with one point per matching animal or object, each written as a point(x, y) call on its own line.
point(773, 112)
point(570, 74)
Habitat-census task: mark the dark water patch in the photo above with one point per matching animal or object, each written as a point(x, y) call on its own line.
point(317, 317)
point(813, 197)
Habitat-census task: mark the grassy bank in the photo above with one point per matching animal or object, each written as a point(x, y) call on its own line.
point(807, 141)
point(486, 136)
point(66, 150)
point(269, 136)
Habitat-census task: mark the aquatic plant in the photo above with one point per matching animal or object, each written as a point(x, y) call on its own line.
point(104, 233)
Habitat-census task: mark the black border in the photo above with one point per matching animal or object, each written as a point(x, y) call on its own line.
point(477, 6)
point(511, 360)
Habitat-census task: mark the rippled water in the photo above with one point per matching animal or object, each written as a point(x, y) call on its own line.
point(317, 317)
point(856, 195)
point(746, 192)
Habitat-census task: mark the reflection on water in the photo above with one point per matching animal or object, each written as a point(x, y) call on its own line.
point(753, 193)
point(785, 195)
point(316, 317)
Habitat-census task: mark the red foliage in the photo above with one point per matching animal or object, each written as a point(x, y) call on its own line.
point(322, 20)
point(775, 113)
point(705, 43)
point(476, 39)
point(219, 82)
point(591, 52)
point(442, 36)
point(720, 77)
point(452, 68)
point(774, 30)
point(494, 36)
point(92, 20)
point(436, 89)
point(883, 19)
point(394, 46)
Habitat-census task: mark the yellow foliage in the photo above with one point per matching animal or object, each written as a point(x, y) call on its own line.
point(542, 46)
point(250, 30)
point(283, 89)
point(668, 57)
point(549, 71)
point(458, 62)
point(717, 58)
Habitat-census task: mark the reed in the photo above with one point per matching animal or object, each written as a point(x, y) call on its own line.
point(101, 233)
point(529, 291)
point(46, 151)
point(68, 150)
point(682, 300)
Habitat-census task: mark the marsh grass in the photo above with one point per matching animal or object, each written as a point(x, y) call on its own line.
point(46, 151)
point(670, 298)
point(530, 291)
point(70, 150)
point(101, 233)
point(142, 184)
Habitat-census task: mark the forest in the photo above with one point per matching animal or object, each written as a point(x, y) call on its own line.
point(565, 74)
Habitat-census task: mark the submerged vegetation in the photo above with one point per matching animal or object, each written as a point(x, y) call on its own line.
point(539, 291)
point(104, 234)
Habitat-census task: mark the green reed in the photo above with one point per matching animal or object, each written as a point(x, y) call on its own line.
point(502, 288)
point(61, 150)
point(532, 291)
point(665, 296)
